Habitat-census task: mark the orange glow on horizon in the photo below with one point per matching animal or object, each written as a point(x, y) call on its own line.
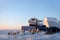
point(9, 27)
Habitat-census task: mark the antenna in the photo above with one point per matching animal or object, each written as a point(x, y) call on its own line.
point(34, 17)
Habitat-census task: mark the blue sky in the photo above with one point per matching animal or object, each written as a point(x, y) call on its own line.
point(17, 12)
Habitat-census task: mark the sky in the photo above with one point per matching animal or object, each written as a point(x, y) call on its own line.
point(15, 13)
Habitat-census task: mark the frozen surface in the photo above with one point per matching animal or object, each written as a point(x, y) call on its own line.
point(28, 36)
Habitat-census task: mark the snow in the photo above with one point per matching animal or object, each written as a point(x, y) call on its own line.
point(28, 36)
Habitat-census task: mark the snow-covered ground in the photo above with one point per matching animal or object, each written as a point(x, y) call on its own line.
point(28, 36)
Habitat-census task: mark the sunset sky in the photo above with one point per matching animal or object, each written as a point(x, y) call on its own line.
point(15, 13)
